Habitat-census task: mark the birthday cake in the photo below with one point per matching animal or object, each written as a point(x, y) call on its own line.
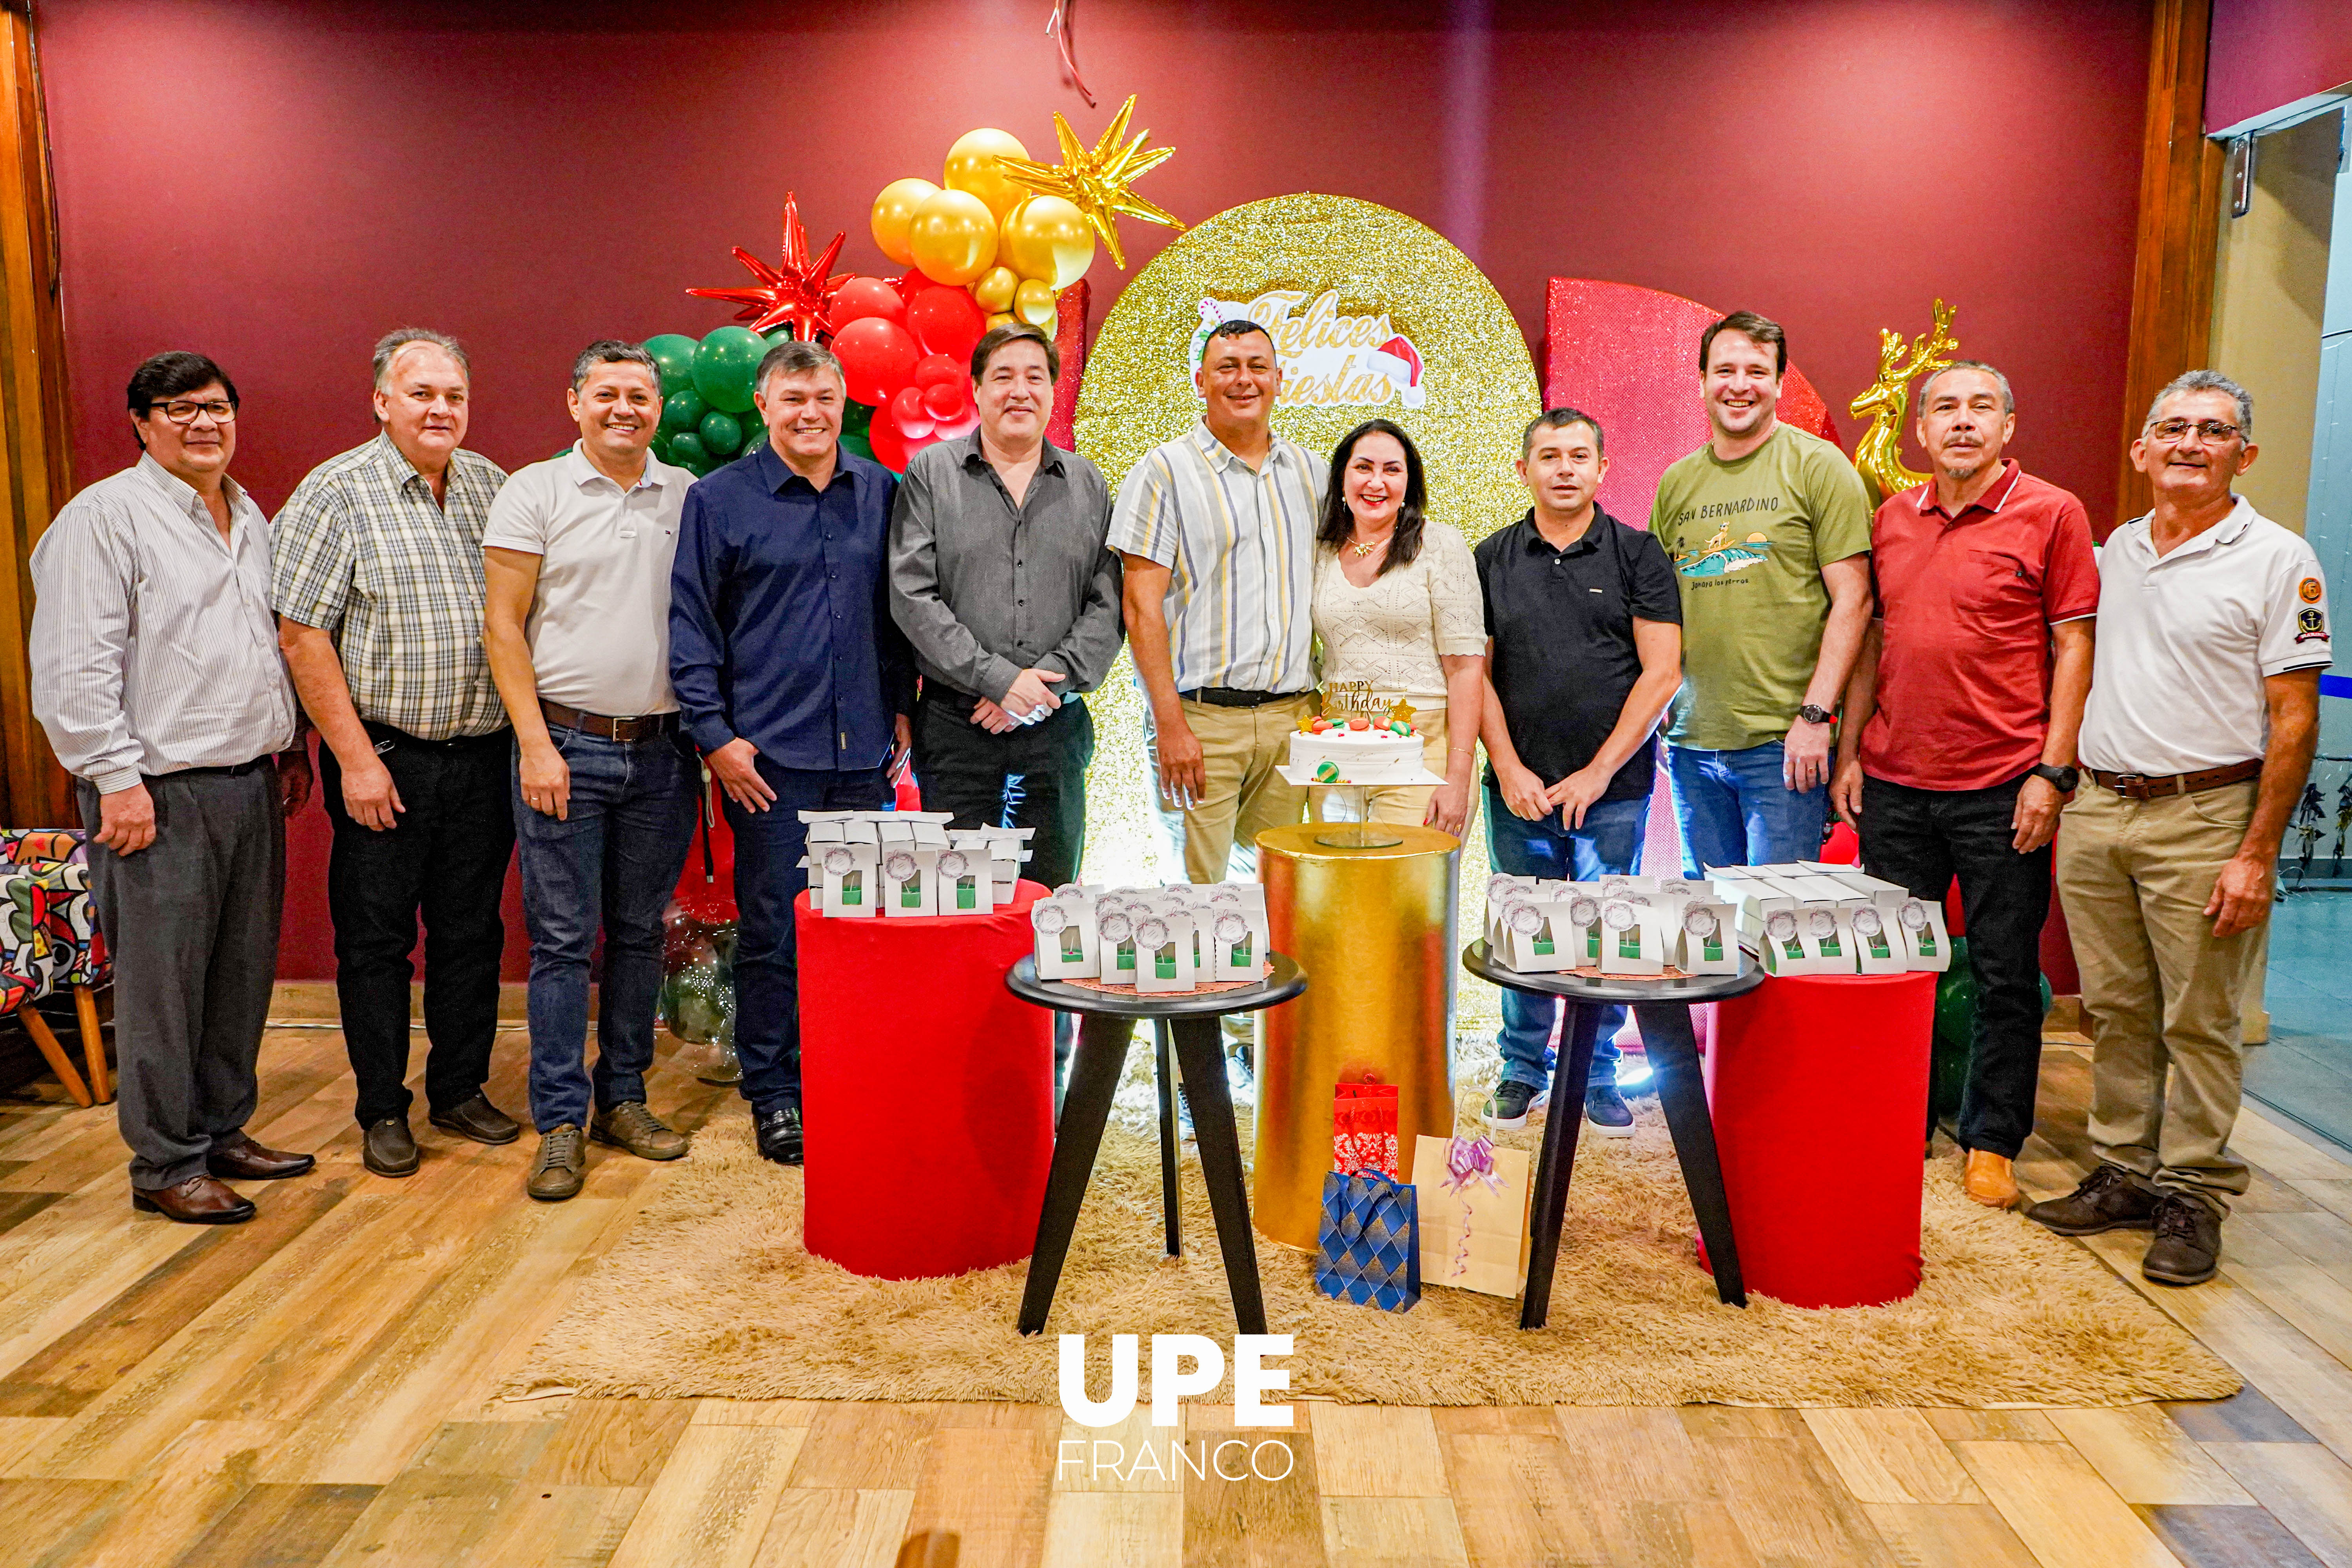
point(1358, 751)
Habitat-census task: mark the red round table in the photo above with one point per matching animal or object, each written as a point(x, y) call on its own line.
point(1819, 1087)
point(927, 1090)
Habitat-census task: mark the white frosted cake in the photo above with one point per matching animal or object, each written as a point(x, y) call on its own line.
point(1358, 751)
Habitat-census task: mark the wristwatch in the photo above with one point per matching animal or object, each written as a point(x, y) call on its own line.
point(1813, 715)
point(2062, 780)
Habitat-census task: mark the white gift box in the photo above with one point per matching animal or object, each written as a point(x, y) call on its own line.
point(1706, 933)
point(909, 879)
point(964, 886)
point(845, 878)
point(1627, 885)
point(1237, 942)
point(1531, 942)
point(1878, 939)
point(1165, 954)
point(1066, 945)
point(1115, 936)
point(1920, 921)
point(1806, 939)
point(1633, 938)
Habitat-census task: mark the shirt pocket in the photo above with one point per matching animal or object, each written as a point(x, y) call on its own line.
point(1999, 587)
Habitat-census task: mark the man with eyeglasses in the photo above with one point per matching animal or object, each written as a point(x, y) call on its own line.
point(2197, 738)
point(155, 672)
point(379, 593)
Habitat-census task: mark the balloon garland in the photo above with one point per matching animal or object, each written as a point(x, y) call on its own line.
point(996, 241)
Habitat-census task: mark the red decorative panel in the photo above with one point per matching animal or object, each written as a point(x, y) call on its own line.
point(1070, 338)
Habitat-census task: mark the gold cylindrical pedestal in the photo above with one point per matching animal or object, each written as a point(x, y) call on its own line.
point(1373, 928)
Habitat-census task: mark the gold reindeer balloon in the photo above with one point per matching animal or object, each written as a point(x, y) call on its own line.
point(1879, 456)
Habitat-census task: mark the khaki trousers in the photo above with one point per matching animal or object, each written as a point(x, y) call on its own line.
point(2161, 993)
point(1240, 750)
point(1405, 805)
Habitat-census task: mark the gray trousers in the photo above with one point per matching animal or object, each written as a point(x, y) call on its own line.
point(190, 922)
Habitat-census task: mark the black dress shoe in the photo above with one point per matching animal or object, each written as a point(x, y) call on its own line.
point(2188, 1245)
point(389, 1149)
point(2109, 1198)
point(779, 1133)
point(479, 1120)
point(199, 1200)
point(240, 1158)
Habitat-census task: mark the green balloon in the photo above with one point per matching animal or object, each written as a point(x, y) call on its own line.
point(686, 450)
point(674, 353)
point(852, 441)
point(661, 449)
point(724, 363)
point(722, 434)
point(682, 410)
point(855, 416)
point(780, 335)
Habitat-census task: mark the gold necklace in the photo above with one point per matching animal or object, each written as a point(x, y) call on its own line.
point(1363, 548)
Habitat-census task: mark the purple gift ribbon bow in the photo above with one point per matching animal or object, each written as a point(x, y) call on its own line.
point(1469, 1160)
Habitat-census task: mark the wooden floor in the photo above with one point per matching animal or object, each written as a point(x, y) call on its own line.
point(317, 1387)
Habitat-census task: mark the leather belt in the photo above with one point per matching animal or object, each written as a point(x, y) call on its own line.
point(1229, 697)
point(633, 728)
point(2156, 787)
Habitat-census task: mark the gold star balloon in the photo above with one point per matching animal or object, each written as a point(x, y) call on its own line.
point(799, 292)
point(1098, 180)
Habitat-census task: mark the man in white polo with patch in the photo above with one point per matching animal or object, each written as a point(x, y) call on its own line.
point(2196, 742)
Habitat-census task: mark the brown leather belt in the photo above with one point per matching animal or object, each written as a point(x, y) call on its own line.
point(2155, 786)
point(634, 728)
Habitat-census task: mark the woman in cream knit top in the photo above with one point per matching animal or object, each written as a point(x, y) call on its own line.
point(1396, 605)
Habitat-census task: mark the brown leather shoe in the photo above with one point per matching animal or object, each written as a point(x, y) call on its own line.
point(1991, 1180)
point(240, 1158)
point(389, 1148)
point(479, 1120)
point(631, 1126)
point(199, 1200)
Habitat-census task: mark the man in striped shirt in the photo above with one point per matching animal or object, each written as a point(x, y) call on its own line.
point(155, 672)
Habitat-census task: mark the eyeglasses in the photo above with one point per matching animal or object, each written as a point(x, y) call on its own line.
point(187, 411)
point(2211, 429)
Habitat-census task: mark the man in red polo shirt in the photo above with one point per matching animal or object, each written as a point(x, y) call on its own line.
point(1959, 743)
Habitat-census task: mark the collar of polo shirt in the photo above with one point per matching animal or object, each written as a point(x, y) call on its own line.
point(2006, 485)
point(581, 471)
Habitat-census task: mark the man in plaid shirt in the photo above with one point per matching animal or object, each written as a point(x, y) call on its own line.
point(378, 588)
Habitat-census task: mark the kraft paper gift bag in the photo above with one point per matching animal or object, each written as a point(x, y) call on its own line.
point(1369, 1246)
point(1472, 1199)
point(1364, 1127)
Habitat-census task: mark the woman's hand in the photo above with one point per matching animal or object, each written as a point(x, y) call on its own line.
point(1449, 808)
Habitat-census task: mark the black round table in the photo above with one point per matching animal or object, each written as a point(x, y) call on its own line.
point(1106, 1023)
point(1663, 1009)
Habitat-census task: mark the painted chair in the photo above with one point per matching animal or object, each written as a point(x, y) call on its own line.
point(49, 941)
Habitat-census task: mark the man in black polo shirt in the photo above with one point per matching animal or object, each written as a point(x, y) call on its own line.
point(1583, 653)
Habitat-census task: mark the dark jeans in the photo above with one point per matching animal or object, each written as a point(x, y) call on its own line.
point(190, 922)
point(769, 847)
point(612, 859)
point(444, 858)
point(1924, 838)
point(1610, 841)
point(1034, 777)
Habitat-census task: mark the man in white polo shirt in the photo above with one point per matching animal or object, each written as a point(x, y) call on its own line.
point(2196, 739)
point(577, 562)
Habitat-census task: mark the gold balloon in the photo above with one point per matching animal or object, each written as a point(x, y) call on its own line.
point(1033, 302)
point(972, 166)
point(1047, 238)
point(952, 237)
point(993, 290)
point(1002, 319)
point(894, 210)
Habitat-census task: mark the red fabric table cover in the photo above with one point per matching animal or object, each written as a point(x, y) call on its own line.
point(927, 1089)
point(1818, 1085)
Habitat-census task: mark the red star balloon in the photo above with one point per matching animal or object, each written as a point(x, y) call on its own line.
point(797, 292)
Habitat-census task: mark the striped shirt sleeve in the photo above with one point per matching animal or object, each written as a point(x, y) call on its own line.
point(83, 573)
point(1143, 522)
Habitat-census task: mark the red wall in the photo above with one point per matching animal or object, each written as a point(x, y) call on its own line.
point(279, 181)
point(2266, 53)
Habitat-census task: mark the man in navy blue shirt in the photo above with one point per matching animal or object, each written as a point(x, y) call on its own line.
point(793, 680)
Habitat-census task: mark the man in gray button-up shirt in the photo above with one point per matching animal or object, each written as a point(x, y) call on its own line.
point(1001, 579)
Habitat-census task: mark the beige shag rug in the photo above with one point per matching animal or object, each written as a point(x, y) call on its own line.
point(712, 1294)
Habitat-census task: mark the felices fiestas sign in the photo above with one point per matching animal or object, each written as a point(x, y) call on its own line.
point(1172, 1381)
point(1329, 359)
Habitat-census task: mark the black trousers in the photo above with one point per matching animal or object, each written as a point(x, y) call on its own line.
point(192, 924)
point(1923, 839)
point(1034, 777)
point(445, 860)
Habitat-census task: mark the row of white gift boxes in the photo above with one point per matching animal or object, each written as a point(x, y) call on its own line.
point(1157, 939)
point(908, 864)
point(1806, 918)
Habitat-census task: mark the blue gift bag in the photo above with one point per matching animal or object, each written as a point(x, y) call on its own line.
point(1371, 1242)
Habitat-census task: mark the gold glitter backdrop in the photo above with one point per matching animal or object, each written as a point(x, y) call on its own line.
point(1480, 393)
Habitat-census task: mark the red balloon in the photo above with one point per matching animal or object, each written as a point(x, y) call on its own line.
point(863, 296)
point(889, 445)
point(877, 359)
point(963, 423)
point(936, 370)
point(909, 412)
point(943, 403)
point(946, 322)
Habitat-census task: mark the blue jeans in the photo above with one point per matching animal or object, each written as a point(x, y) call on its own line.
point(1610, 841)
point(1734, 810)
point(768, 845)
point(614, 861)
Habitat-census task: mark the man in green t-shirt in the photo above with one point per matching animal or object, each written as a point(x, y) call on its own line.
point(1769, 531)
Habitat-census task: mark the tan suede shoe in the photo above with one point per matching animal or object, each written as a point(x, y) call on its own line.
point(1990, 1180)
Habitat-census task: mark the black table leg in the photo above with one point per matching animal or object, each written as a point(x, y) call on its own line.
point(1164, 1071)
point(1672, 1050)
point(1561, 1125)
point(1200, 1052)
point(1094, 1071)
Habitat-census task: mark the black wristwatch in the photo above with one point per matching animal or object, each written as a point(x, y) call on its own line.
point(2062, 780)
point(1812, 715)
